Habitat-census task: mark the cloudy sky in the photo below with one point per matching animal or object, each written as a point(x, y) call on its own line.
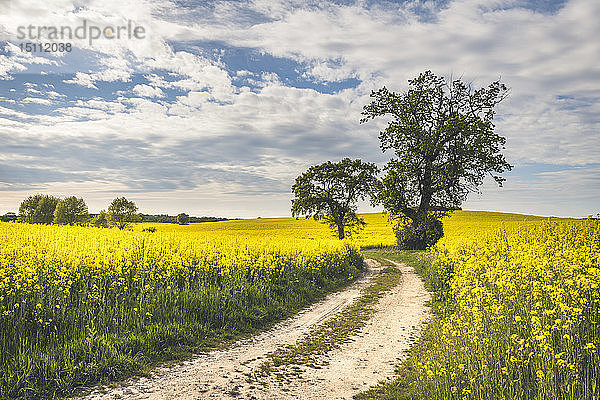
point(219, 105)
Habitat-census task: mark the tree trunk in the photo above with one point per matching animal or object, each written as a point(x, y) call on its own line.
point(340, 231)
point(425, 203)
point(426, 192)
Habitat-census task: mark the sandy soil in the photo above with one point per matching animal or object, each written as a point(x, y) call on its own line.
point(355, 366)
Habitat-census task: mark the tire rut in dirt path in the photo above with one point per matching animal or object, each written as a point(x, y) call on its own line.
point(369, 357)
point(377, 349)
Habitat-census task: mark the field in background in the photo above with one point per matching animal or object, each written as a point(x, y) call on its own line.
point(377, 233)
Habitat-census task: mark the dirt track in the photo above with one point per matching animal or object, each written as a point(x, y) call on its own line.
point(355, 366)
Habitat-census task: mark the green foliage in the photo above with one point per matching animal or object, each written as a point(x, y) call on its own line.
point(183, 219)
point(122, 212)
point(9, 217)
point(329, 192)
point(71, 211)
point(38, 209)
point(444, 144)
point(419, 233)
point(100, 220)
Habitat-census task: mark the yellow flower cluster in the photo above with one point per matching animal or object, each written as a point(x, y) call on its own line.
point(523, 308)
point(41, 267)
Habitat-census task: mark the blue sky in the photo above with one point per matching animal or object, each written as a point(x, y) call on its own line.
point(221, 104)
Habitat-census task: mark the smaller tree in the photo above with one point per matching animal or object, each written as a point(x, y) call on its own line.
point(329, 192)
point(183, 219)
point(100, 220)
point(38, 209)
point(71, 211)
point(122, 212)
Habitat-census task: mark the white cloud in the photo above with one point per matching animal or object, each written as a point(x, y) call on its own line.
point(37, 100)
point(114, 69)
point(18, 61)
point(81, 18)
point(111, 107)
point(324, 71)
point(243, 72)
point(539, 55)
point(198, 73)
point(148, 91)
point(55, 95)
point(82, 79)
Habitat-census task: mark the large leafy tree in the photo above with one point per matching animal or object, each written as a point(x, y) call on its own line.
point(330, 191)
point(38, 209)
point(71, 211)
point(122, 212)
point(444, 144)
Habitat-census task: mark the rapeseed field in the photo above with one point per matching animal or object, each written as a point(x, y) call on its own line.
point(517, 303)
point(377, 233)
point(516, 300)
point(80, 305)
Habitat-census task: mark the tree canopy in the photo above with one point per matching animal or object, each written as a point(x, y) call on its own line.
point(122, 212)
point(183, 219)
point(71, 211)
point(444, 144)
point(329, 192)
point(9, 217)
point(38, 209)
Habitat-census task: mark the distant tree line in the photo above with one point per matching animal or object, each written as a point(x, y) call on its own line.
point(171, 219)
point(46, 209)
point(8, 217)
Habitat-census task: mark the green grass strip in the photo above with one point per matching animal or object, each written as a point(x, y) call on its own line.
point(310, 350)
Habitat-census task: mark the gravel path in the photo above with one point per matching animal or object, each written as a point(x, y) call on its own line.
point(355, 366)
